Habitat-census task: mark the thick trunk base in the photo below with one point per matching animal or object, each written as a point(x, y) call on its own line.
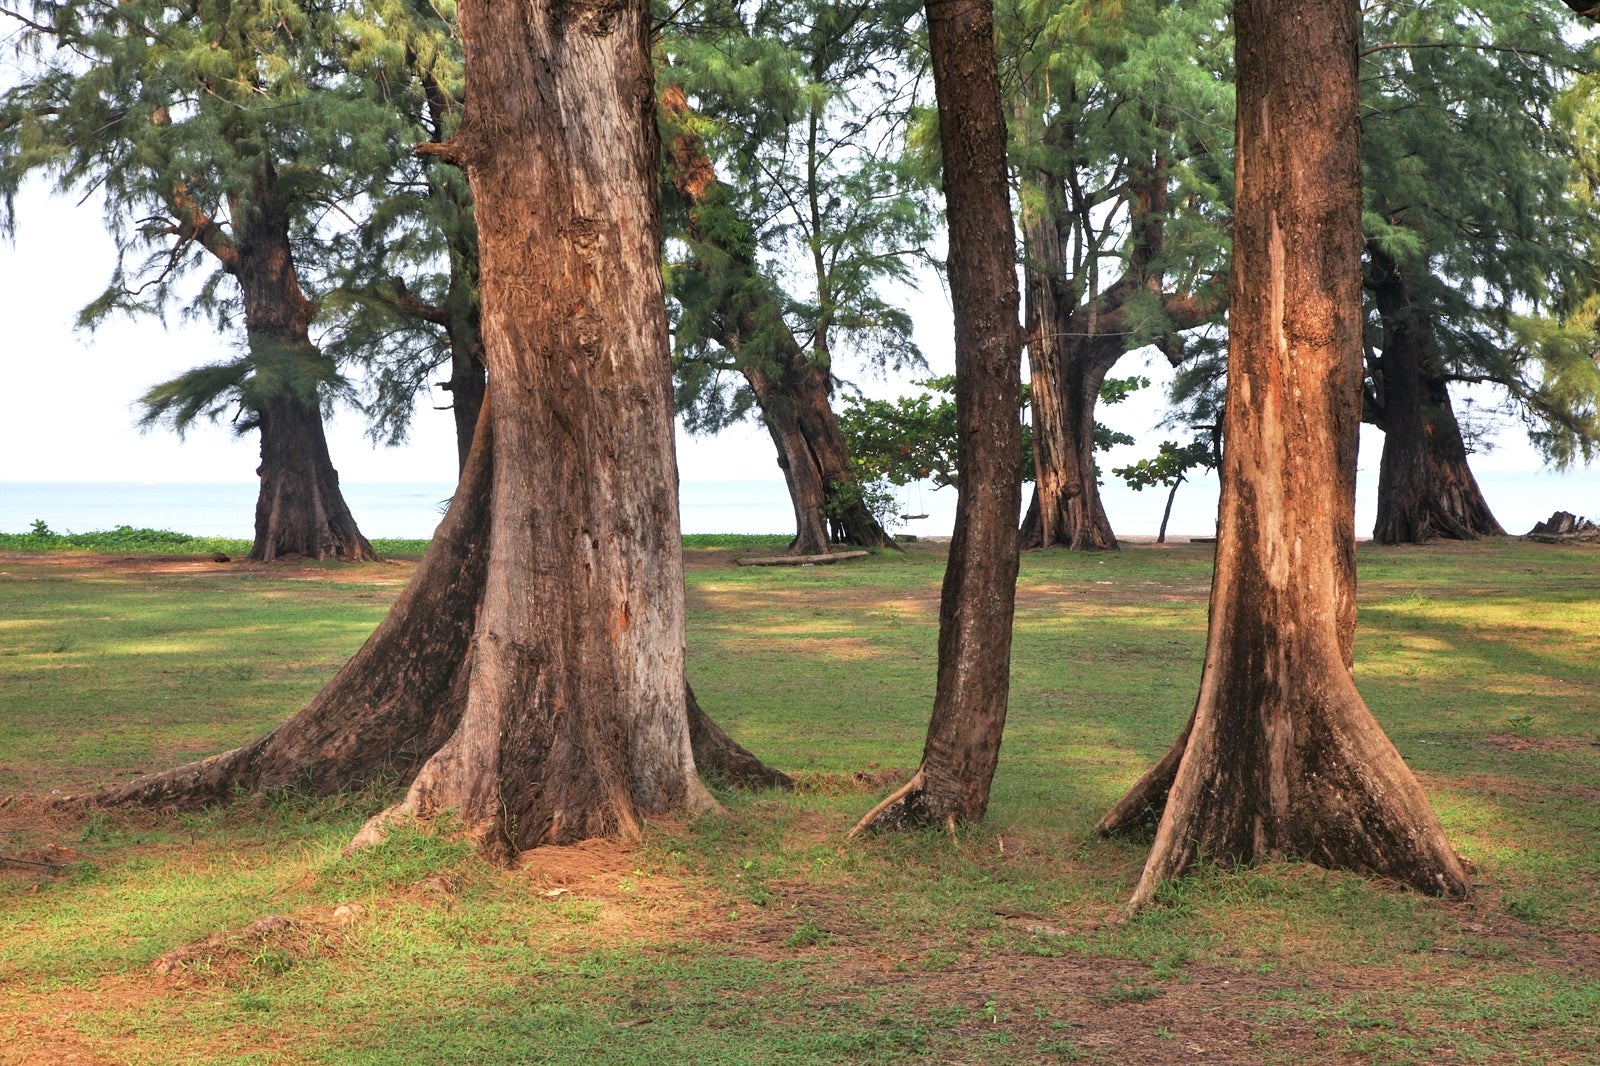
point(300, 511)
point(1282, 757)
point(400, 698)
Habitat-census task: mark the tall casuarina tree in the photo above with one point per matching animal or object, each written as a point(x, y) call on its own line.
point(218, 135)
point(784, 220)
point(980, 582)
point(1461, 261)
point(531, 675)
point(1281, 755)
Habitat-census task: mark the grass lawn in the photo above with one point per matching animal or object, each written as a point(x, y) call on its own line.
point(241, 935)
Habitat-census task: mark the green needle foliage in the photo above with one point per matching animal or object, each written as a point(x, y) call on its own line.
point(1468, 192)
point(815, 188)
point(1479, 176)
point(403, 297)
point(203, 127)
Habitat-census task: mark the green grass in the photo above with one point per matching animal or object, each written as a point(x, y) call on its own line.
point(759, 936)
point(130, 541)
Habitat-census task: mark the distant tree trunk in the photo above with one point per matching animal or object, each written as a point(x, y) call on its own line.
point(793, 391)
point(807, 492)
point(979, 594)
point(300, 510)
point(1074, 342)
point(811, 391)
point(1166, 514)
point(545, 629)
point(1066, 370)
point(467, 385)
point(1281, 755)
point(1425, 487)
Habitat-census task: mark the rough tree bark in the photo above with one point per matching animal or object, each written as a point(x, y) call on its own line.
point(793, 392)
point(536, 662)
point(1281, 755)
point(1425, 487)
point(300, 510)
point(976, 603)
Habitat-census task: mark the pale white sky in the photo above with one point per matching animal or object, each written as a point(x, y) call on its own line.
point(66, 411)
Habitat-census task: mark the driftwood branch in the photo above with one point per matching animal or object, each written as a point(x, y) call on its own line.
point(800, 560)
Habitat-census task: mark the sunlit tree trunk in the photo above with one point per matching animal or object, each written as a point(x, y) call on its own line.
point(979, 594)
point(1281, 756)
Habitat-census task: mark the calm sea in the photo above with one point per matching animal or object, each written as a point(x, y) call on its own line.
point(413, 509)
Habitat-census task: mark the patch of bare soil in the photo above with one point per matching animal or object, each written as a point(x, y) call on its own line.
point(1048, 1003)
point(44, 1030)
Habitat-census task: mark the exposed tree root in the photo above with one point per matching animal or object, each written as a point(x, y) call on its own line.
point(1140, 810)
point(722, 759)
point(897, 811)
point(396, 703)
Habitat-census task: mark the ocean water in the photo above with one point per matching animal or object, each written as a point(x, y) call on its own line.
point(382, 509)
point(413, 509)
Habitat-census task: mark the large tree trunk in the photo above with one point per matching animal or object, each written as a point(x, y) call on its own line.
point(1281, 756)
point(1065, 372)
point(979, 594)
point(300, 511)
point(532, 675)
point(574, 724)
point(1425, 487)
point(400, 697)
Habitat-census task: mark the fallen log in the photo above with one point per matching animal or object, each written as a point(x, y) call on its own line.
point(801, 560)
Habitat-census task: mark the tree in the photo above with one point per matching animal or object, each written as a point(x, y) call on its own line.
point(1170, 468)
point(1458, 266)
point(216, 133)
point(1115, 110)
point(402, 297)
point(979, 594)
point(916, 438)
point(1281, 755)
point(531, 675)
point(812, 178)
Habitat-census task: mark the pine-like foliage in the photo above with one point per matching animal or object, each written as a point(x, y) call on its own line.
point(402, 296)
point(193, 123)
point(1469, 193)
point(1121, 135)
point(814, 187)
